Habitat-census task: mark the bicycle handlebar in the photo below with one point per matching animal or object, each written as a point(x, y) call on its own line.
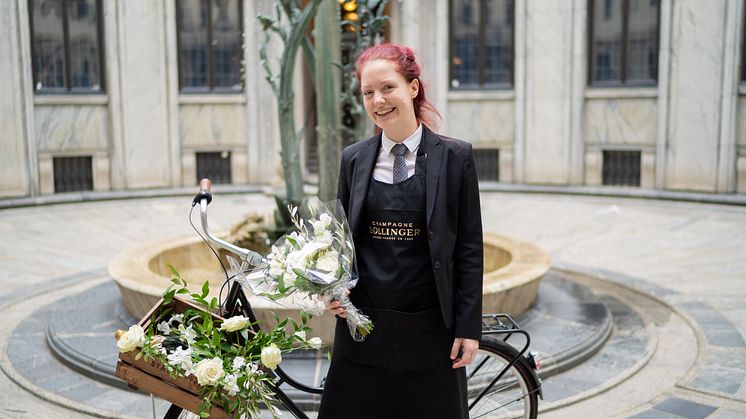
point(203, 198)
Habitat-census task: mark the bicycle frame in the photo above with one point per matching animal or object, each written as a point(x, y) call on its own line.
point(504, 324)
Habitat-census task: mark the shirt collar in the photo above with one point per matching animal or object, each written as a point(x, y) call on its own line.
point(412, 142)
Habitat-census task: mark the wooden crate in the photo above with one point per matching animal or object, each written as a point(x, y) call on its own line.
point(152, 377)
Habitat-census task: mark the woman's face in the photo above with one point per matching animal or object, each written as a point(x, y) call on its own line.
point(388, 98)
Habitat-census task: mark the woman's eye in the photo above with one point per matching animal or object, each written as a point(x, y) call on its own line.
point(367, 93)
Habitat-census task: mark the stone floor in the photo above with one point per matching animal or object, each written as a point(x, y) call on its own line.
point(675, 269)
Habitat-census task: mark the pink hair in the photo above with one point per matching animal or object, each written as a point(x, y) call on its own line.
point(408, 67)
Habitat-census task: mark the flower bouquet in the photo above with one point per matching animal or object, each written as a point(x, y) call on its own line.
point(311, 265)
point(184, 353)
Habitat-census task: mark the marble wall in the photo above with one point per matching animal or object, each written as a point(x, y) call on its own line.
point(620, 122)
point(482, 122)
point(550, 127)
point(695, 89)
point(69, 128)
point(14, 179)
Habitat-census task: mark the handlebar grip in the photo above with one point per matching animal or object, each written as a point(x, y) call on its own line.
point(205, 185)
point(204, 192)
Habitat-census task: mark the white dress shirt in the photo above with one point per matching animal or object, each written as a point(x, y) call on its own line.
point(384, 170)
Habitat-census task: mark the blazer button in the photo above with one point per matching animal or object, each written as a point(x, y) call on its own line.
point(437, 264)
point(432, 235)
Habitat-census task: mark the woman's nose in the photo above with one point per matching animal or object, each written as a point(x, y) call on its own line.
point(378, 98)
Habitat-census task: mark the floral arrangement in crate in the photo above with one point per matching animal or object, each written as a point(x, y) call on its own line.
point(226, 357)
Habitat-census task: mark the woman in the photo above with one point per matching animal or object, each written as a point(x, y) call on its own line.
point(412, 201)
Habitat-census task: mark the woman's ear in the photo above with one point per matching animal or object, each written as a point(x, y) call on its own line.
point(414, 88)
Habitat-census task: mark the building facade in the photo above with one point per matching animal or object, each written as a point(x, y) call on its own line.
point(114, 95)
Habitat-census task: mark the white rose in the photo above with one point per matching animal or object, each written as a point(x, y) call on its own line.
point(209, 371)
point(131, 339)
point(271, 356)
point(329, 262)
point(315, 342)
point(235, 323)
point(301, 334)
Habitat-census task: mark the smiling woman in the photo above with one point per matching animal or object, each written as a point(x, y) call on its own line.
point(412, 201)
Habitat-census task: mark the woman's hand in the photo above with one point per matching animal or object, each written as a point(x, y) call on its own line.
point(336, 307)
point(468, 349)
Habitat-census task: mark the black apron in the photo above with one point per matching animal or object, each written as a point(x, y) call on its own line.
point(403, 368)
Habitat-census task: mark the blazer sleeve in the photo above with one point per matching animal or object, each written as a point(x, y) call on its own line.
point(343, 186)
point(469, 255)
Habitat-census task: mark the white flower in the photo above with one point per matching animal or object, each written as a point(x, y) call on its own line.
point(131, 339)
point(157, 341)
point(298, 238)
point(290, 276)
point(318, 227)
point(235, 323)
point(164, 328)
point(209, 371)
point(238, 362)
point(271, 356)
point(329, 262)
point(315, 342)
point(178, 318)
point(188, 334)
point(231, 384)
point(325, 237)
point(252, 369)
point(181, 357)
point(275, 268)
point(296, 259)
point(325, 219)
point(301, 334)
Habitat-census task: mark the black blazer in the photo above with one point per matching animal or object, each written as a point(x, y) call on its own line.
point(454, 221)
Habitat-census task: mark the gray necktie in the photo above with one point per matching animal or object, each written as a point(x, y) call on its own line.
point(400, 166)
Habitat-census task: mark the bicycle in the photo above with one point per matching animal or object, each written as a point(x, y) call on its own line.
point(501, 381)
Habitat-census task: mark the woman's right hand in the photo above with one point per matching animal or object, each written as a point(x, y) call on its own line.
point(336, 307)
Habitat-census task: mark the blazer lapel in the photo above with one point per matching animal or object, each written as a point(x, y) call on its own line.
point(361, 179)
point(434, 160)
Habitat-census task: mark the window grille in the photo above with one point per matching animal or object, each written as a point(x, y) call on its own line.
point(72, 174)
point(621, 167)
point(215, 166)
point(487, 162)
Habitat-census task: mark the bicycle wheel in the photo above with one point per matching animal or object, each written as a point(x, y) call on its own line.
point(514, 395)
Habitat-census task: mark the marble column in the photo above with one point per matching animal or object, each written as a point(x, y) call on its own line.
point(698, 31)
point(262, 134)
point(548, 96)
point(144, 93)
point(14, 164)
